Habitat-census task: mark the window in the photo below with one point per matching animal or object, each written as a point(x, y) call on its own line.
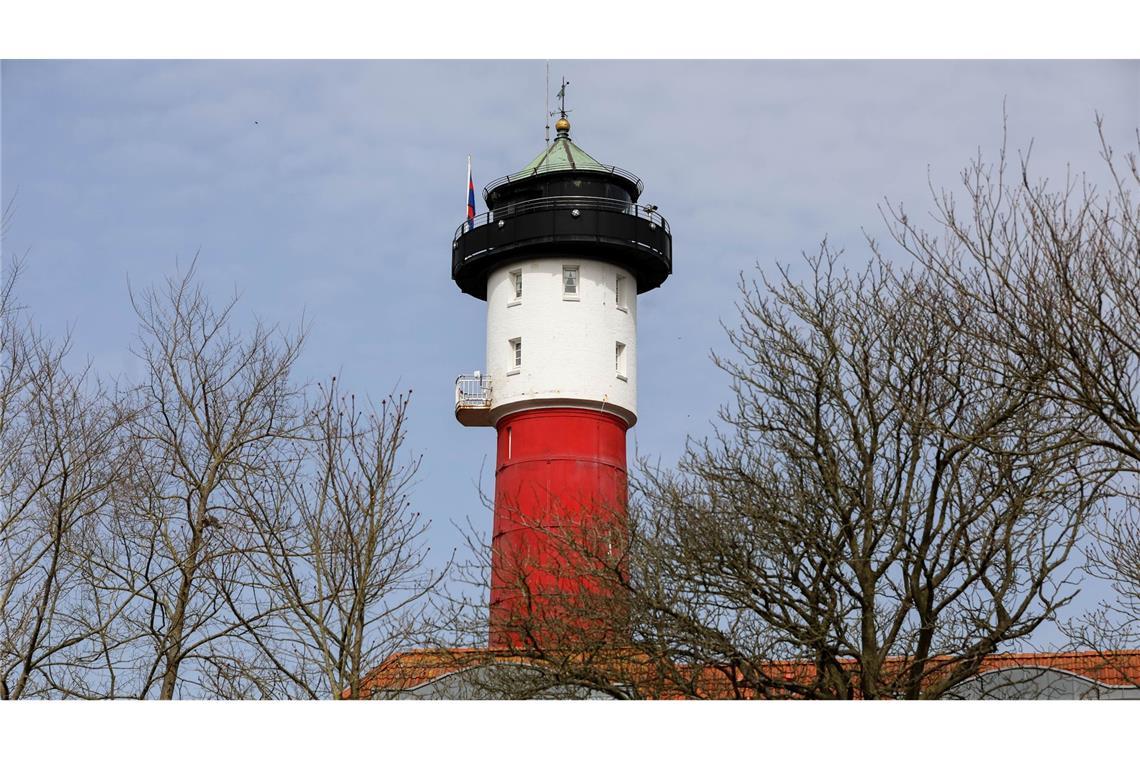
point(516, 283)
point(570, 283)
point(619, 360)
point(619, 292)
point(516, 353)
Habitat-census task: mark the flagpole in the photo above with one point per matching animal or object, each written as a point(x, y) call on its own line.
point(469, 212)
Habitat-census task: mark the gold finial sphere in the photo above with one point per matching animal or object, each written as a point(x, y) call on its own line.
point(562, 125)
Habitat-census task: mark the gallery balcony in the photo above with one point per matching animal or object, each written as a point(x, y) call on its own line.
point(626, 234)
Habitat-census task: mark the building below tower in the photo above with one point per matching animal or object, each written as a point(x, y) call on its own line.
point(491, 674)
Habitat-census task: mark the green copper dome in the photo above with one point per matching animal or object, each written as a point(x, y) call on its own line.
point(561, 155)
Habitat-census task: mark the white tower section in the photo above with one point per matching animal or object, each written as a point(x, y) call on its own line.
point(565, 335)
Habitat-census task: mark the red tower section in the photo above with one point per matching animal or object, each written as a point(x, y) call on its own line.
point(560, 526)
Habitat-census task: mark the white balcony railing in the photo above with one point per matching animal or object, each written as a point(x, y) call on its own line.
point(472, 396)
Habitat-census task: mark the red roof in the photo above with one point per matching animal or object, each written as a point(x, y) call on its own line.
point(407, 670)
point(1112, 668)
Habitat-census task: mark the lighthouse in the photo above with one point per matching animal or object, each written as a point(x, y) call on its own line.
point(560, 258)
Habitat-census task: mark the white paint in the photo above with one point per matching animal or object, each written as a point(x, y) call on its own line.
point(567, 345)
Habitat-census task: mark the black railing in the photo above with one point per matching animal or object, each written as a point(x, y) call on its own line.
point(634, 236)
point(598, 169)
point(569, 203)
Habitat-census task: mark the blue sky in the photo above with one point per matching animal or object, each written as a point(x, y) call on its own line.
point(332, 190)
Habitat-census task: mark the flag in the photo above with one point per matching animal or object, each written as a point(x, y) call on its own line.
point(470, 197)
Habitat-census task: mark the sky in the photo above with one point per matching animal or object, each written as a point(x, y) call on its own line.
point(330, 191)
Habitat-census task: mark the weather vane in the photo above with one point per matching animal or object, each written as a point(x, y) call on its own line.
point(561, 102)
point(562, 99)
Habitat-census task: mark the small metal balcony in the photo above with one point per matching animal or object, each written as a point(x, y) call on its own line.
point(473, 400)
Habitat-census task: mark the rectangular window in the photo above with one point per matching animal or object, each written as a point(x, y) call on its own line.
point(619, 292)
point(570, 283)
point(619, 360)
point(516, 283)
point(516, 352)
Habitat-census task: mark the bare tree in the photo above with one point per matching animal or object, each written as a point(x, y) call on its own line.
point(341, 559)
point(59, 456)
point(1056, 271)
point(1114, 556)
point(878, 502)
point(211, 531)
point(210, 415)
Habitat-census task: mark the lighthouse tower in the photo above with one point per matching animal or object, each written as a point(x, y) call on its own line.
point(560, 258)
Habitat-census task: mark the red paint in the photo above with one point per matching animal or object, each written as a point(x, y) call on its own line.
point(560, 507)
